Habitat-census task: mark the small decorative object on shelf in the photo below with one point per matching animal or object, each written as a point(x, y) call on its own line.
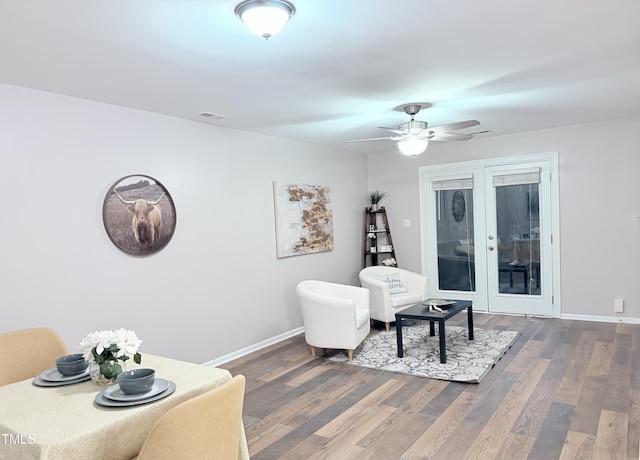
point(104, 350)
point(389, 262)
point(375, 197)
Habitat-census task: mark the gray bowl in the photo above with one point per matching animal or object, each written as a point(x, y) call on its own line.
point(71, 364)
point(136, 381)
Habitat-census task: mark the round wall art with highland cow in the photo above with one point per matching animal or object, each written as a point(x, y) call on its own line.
point(139, 215)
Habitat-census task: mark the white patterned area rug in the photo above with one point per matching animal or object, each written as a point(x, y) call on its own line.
point(467, 360)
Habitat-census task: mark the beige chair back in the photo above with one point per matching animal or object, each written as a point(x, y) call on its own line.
point(205, 427)
point(28, 352)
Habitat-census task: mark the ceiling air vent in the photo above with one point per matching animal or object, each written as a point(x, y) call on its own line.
point(213, 116)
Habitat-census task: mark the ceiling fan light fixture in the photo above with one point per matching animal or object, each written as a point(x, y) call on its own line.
point(413, 146)
point(413, 126)
point(265, 18)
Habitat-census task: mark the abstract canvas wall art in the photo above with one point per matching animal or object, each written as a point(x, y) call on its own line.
point(304, 222)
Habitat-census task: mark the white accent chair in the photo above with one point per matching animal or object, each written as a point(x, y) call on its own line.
point(384, 303)
point(335, 316)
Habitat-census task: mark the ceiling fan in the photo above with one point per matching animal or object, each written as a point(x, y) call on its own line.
point(413, 136)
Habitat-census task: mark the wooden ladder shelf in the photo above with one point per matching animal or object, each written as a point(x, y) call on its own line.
point(375, 250)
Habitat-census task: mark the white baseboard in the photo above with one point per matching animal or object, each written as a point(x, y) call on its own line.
point(577, 317)
point(601, 319)
point(255, 347)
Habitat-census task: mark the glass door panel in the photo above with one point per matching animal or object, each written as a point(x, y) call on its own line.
point(455, 240)
point(518, 239)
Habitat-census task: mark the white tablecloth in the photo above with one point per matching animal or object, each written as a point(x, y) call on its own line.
point(59, 423)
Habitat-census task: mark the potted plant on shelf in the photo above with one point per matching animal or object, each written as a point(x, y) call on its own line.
point(375, 197)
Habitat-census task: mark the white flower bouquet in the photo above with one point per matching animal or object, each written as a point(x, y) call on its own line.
point(372, 240)
point(107, 348)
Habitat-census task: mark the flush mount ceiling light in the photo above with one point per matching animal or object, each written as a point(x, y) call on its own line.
point(265, 18)
point(413, 146)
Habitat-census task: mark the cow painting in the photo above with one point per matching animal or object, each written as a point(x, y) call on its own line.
point(139, 215)
point(147, 220)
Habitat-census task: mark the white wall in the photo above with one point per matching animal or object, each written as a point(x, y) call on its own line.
point(217, 286)
point(599, 168)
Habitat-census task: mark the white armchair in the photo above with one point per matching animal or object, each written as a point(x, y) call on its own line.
point(335, 315)
point(392, 290)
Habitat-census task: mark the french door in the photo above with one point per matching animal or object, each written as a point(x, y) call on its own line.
point(488, 233)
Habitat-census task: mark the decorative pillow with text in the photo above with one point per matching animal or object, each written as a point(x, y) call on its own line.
point(393, 281)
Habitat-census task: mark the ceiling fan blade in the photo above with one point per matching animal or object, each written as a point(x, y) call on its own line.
point(371, 139)
point(446, 137)
point(394, 130)
point(454, 126)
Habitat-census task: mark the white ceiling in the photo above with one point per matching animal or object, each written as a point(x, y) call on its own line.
point(340, 67)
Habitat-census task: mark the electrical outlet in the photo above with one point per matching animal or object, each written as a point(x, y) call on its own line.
point(618, 305)
point(406, 223)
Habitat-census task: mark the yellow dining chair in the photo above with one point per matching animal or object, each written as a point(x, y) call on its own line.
point(205, 427)
point(28, 352)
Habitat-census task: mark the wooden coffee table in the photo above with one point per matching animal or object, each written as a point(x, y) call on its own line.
point(420, 311)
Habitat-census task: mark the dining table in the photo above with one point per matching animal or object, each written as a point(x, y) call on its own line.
point(67, 423)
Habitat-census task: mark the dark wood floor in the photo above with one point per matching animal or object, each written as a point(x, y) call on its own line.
point(565, 389)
